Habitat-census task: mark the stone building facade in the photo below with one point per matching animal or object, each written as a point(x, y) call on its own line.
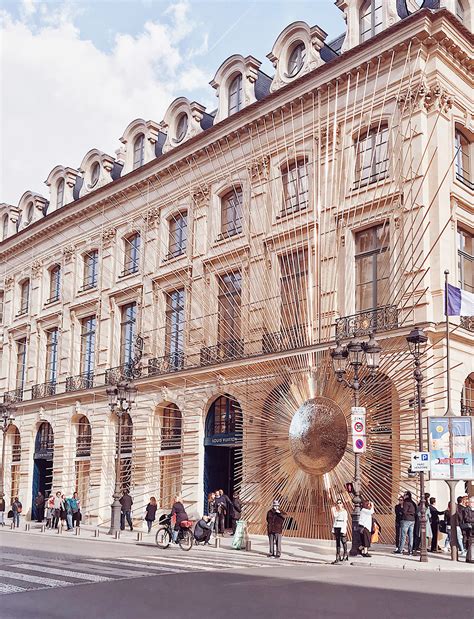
point(218, 255)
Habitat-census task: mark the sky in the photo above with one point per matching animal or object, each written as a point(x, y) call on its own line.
point(73, 75)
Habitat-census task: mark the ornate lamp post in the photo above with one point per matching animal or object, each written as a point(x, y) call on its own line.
point(121, 398)
point(417, 344)
point(353, 356)
point(7, 417)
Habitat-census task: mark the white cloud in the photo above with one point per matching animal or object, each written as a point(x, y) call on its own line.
point(62, 95)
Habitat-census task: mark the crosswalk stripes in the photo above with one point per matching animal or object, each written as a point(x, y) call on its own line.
point(26, 576)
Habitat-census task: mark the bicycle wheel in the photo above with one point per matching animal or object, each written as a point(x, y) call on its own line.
point(186, 540)
point(163, 538)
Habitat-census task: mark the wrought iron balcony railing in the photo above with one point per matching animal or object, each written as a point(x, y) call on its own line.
point(467, 322)
point(171, 362)
point(11, 397)
point(126, 371)
point(52, 299)
point(88, 286)
point(81, 381)
point(464, 180)
point(22, 311)
point(43, 390)
point(174, 253)
point(378, 319)
point(287, 339)
point(129, 270)
point(223, 351)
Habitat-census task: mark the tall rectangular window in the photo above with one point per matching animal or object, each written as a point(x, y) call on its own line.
point(294, 289)
point(175, 325)
point(178, 227)
point(295, 187)
point(2, 299)
point(465, 260)
point(372, 264)
point(91, 261)
point(24, 296)
point(52, 337)
point(128, 326)
point(132, 254)
point(229, 304)
point(231, 213)
point(372, 156)
point(54, 283)
point(88, 330)
point(20, 363)
point(462, 158)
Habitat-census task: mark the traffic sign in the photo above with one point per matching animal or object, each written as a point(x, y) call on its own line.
point(358, 410)
point(358, 425)
point(358, 444)
point(420, 461)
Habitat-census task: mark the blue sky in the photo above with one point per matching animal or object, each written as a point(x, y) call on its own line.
point(86, 69)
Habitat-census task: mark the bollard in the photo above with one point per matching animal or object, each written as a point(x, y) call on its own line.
point(117, 534)
point(60, 529)
point(248, 545)
point(96, 533)
point(27, 526)
point(78, 530)
point(218, 542)
point(139, 536)
point(43, 528)
point(12, 526)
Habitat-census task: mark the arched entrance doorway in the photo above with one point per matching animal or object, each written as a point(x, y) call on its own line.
point(43, 461)
point(223, 447)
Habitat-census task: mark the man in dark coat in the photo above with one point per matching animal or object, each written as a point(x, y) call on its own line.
point(275, 519)
point(223, 505)
point(203, 530)
point(236, 511)
point(39, 507)
point(398, 520)
point(407, 523)
point(126, 512)
point(435, 514)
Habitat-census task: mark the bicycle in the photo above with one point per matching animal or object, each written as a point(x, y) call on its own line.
point(164, 535)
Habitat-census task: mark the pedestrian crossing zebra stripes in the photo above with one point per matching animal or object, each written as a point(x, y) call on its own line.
point(22, 576)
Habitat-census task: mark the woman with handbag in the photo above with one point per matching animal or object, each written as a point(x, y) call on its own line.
point(365, 527)
point(150, 513)
point(339, 530)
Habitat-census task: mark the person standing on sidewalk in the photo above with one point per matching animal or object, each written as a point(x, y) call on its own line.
point(39, 507)
point(56, 510)
point(49, 512)
point(17, 508)
point(275, 519)
point(150, 513)
point(435, 514)
point(126, 512)
point(236, 510)
point(2, 511)
point(407, 524)
point(398, 520)
point(339, 529)
point(468, 526)
point(75, 504)
point(365, 525)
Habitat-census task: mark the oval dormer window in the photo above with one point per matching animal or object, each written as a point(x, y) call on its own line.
point(296, 59)
point(181, 127)
point(95, 173)
point(29, 213)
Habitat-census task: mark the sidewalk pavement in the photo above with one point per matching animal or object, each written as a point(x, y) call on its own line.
point(299, 550)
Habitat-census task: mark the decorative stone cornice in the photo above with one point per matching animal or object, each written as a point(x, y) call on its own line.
point(430, 97)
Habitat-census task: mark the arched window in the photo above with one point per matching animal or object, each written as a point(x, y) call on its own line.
point(83, 438)
point(178, 235)
point(132, 254)
point(371, 155)
point(463, 158)
point(370, 19)
point(44, 439)
point(15, 462)
point(29, 213)
point(295, 186)
point(94, 175)
point(138, 151)
point(54, 283)
point(224, 417)
point(60, 194)
point(235, 95)
point(231, 213)
point(171, 422)
point(181, 127)
point(460, 13)
point(467, 396)
point(126, 451)
point(4, 227)
point(296, 59)
point(16, 444)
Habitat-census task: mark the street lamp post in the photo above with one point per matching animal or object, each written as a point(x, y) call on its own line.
point(417, 343)
point(7, 417)
point(121, 398)
point(353, 355)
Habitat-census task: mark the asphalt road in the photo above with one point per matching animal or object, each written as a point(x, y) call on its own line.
point(67, 579)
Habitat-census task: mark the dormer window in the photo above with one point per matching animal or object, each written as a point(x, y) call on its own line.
point(54, 284)
point(370, 19)
point(178, 226)
point(4, 227)
point(296, 59)
point(295, 187)
point(181, 127)
point(60, 194)
point(138, 151)
point(29, 214)
point(94, 176)
point(132, 254)
point(235, 94)
point(231, 213)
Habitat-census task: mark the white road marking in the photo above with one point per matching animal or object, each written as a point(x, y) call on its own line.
point(39, 580)
point(57, 572)
point(4, 588)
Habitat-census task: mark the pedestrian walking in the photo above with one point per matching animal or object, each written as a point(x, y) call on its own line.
point(398, 520)
point(222, 507)
point(56, 510)
point(458, 519)
point(339, 530)
point(236, 511)
point(435, 514)
point(468, 526)
point(178, 513)
point(150, 512)
point(275, 520)
point(49, 511)
point(39, 507)
point(126, 502)
point(203, 530)
point(67, 508)
point(17, 508)
point(2, 511)
point(407, 523)
point(365, 527)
